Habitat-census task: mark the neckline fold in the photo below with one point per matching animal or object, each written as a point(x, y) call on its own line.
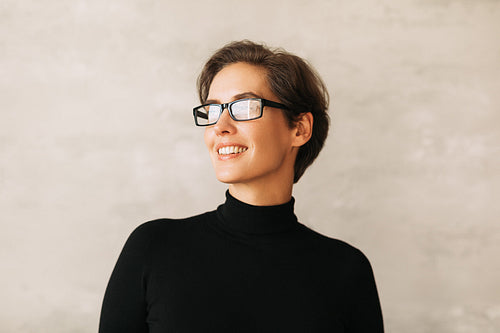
point(242, 217)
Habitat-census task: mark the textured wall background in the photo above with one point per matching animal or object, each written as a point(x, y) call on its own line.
point(96, 137)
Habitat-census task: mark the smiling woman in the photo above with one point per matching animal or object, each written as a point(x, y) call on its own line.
point(248, 266)
point(263, 173)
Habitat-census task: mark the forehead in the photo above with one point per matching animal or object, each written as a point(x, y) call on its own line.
point(238, 78)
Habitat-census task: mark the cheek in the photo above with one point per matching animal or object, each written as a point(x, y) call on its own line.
point(271, 143)
point(208, 138)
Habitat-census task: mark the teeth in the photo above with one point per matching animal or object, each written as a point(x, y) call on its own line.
point(231, 150)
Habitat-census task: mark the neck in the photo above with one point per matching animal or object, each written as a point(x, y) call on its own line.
point(239, 216)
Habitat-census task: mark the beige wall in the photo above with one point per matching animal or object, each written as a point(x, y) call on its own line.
point(96, 137)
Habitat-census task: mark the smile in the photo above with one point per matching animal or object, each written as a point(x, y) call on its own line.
point(227, 150)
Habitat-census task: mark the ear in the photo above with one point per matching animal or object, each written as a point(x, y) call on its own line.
point(303, 129)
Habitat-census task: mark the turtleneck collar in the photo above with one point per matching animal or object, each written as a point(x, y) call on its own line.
point(239, 216)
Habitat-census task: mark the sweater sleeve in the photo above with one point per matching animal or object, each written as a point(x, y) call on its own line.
point(124, 305)
point(365, 314)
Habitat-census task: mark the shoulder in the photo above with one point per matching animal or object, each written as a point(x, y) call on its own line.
point(152, 238)
point(161, 224)
point(165, 225)
point(339, 251)
point(167, 228)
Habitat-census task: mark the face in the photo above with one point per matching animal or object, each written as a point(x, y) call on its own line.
point(260, 151)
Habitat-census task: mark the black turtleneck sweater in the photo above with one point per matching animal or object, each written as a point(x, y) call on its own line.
point(241, 268)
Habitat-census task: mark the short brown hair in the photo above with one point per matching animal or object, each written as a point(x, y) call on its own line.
point(291, 79)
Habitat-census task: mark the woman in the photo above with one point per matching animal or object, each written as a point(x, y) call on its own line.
point(248, 266)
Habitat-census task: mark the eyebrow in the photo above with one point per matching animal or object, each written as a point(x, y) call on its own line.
point(247, 94)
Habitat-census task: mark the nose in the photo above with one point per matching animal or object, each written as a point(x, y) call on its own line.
point(225, 124)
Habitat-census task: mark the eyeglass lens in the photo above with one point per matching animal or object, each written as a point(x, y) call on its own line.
point(246, 109)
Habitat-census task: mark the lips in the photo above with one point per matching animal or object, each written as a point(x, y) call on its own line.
point(230, 149)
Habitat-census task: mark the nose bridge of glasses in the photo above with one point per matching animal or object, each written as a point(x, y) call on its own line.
point(229, 110)
point(222, 108)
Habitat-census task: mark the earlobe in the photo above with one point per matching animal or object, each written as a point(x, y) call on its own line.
point(303, 129)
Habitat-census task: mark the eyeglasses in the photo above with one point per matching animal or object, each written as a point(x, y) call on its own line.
point(239, 110)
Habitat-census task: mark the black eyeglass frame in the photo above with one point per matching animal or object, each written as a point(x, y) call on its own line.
point(263, 102)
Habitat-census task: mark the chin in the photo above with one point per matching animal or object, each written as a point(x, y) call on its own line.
point(228, 174)
point(226, 178)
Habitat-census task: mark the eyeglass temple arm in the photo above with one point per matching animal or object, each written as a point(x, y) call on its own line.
point(201, 114)
point(272, 104)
